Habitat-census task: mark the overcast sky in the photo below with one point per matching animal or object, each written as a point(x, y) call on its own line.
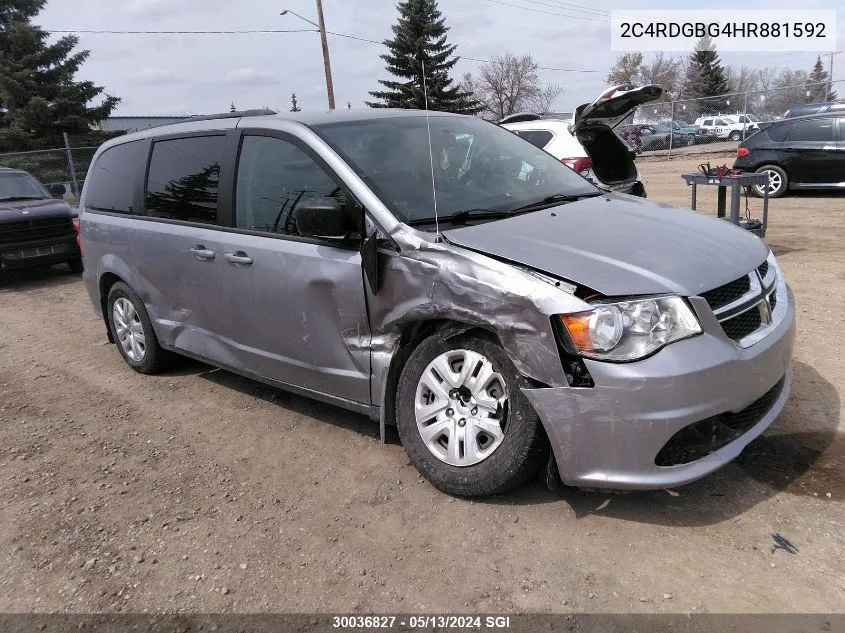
point(196, 74)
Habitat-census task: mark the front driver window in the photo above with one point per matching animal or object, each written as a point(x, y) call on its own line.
point(274, 177)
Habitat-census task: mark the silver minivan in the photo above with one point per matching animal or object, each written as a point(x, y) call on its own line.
point(438, 273)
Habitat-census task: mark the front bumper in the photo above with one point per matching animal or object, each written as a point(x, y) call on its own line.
point(42, 252)
point(609, 436)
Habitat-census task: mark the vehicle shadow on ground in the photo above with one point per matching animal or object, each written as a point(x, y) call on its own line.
point(786, 459)
point(292, 402)
point(36, 278)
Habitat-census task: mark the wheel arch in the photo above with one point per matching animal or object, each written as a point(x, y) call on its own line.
point(105, 283)
point(410, 336)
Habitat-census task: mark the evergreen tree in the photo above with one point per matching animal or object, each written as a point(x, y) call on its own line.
point(818, 84)
point(705, 79)
point(420, 38)
point(294, 104)
point(39, 98)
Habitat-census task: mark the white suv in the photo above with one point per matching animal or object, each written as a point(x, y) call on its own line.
point(726, 126)
point(587, 143)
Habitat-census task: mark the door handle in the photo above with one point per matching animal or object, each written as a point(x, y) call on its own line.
point(238, 258)
point(201, 252)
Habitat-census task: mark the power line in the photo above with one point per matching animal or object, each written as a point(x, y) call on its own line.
point(562, 15)
point(253, 31)
point(234, 32)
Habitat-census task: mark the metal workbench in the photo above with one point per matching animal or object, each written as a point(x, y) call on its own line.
point(736, 183)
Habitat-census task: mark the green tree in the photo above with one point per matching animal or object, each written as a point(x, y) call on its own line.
point(294, 104)
point(39, 97)
point(420, 39)
point(818, 84)
point(705, 79)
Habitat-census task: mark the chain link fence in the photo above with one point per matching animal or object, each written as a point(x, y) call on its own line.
point(715, 124)
point(61, 166)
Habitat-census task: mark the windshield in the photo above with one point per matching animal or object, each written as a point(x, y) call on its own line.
point(478, 167)
point(18, 185)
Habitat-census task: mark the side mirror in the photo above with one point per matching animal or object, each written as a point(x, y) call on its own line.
point(57, 191)
point(322, 217)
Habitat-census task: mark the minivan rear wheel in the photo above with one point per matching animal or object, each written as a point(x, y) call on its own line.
point(463, 419)
point(133, 332)
point(778, 182)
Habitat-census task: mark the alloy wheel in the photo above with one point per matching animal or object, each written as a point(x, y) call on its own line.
point(129, 329)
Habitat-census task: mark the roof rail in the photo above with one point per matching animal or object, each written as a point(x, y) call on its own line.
point(225, 115)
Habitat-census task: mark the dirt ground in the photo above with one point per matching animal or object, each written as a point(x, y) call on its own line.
point(201, 491)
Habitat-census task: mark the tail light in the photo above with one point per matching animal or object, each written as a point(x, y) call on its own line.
point(742, 151)
point(578, 164)
point(77, 230)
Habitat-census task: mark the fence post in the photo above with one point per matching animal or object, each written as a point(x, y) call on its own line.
point(71, 167)
point(671, 129)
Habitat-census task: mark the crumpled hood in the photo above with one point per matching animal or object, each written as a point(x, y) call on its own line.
point(621, 245)
point(18, 210)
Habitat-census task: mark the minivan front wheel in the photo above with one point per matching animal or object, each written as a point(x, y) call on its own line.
point(778, 182)
point(463, 419)
point(132, 331)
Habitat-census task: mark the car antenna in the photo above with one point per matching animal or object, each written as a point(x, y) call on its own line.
point(437, 237)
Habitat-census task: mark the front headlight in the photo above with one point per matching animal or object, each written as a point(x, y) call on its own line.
point(629, 330)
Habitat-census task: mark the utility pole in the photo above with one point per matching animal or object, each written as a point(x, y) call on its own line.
point(327, 65)
point(830, 77)
point(326, 61)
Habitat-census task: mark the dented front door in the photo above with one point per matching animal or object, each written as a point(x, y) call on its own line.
point(297, 307)
point(298, 314)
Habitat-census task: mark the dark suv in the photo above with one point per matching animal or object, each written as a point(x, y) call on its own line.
point(35, 228)
point(805, 109)
point(802, 153)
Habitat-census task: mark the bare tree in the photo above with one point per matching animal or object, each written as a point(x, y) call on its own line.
point(626, 70)
point(663, 71)
point(508, 84)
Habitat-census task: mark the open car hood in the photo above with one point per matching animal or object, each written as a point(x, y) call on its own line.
point(614, 105)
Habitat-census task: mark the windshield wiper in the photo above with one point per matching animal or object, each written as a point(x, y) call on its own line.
point(552, 200)
point(13, 198)
point(461, 217)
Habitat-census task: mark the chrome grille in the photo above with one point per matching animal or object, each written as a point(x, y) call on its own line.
point(743, 324)
point(745, 306)
point(727, 294)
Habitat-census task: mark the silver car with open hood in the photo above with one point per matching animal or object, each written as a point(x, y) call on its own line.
point(438, 273)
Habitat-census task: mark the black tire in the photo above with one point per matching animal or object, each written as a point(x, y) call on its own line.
point(154, 358)
point(773, 193)
point(76, 266)
point(735, 135)
point(523, 451)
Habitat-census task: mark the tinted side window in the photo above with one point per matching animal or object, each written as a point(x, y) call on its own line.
point(778, 133)
point(274, 176)
point(110, 183)
point(708, 122)
point(816, 130)
point(538, 138)
point(183, 179)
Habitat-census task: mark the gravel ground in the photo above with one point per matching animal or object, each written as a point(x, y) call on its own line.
point(200, 491)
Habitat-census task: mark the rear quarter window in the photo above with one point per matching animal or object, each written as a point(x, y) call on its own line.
point(779, 133)
point(538, 138)
point(183, 178)
point(110, 183)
